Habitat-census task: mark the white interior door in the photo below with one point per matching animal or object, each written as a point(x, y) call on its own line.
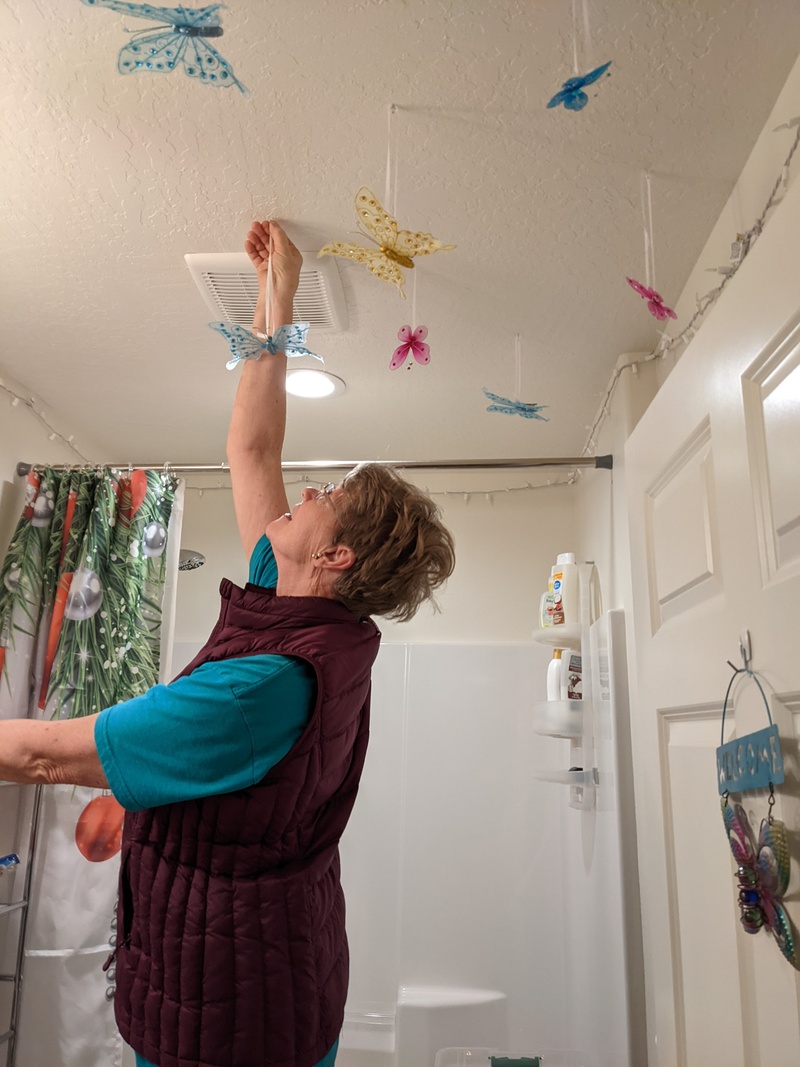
point(713, 477)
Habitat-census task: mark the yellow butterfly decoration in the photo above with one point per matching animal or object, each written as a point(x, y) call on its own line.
point(396, 248)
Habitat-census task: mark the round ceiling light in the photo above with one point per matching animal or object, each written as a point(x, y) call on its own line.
point(313, 384)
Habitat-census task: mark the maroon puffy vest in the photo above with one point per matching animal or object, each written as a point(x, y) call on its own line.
point(231, 941)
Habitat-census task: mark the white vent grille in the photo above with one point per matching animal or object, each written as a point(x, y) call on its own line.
point(230, 288)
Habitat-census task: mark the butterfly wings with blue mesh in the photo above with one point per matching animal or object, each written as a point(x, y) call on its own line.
point(571, 94)
point(514, 407)
point(182, 44)
point(291, 340)
point(171, 16)
point(246, 345)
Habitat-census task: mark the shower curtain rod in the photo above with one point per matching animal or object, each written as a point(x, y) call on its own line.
point(598, 462)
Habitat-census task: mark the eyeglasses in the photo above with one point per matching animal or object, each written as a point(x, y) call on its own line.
point(325, 491)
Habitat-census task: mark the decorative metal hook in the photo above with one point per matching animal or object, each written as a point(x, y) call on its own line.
point(745, 649)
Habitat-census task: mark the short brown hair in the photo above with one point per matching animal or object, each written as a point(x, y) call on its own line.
point(403, 551)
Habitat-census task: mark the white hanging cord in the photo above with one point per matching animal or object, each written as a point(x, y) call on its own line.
point(587, 36)
point(390, 190)
point(518, 364)
point(647, 223)
point(414, 321)
point(269, 286)
point(575, 65)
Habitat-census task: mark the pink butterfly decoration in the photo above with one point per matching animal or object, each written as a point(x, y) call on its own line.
point(413, 343)
point(655, 302)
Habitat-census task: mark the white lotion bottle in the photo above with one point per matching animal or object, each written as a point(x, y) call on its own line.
point(554, 669)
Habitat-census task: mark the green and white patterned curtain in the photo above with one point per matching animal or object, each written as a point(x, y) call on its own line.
point(81, 593)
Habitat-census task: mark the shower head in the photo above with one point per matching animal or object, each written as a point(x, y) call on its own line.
point(189, 560)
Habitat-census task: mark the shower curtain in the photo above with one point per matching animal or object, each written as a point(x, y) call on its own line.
point(85, 587)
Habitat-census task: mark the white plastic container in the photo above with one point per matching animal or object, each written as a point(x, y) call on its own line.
point(554, 669)
point(564, 675)
point(564, 586)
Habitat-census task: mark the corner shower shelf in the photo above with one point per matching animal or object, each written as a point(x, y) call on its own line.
point(558, 637)
point(572, 777)
point(573, 719)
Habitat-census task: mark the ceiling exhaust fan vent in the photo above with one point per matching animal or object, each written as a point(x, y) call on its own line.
point(229, 287)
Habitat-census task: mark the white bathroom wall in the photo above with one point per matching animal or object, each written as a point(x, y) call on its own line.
point(482, 892)
point(505, 543)
point(463, 870)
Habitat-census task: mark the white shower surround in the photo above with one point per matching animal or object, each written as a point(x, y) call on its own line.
point(463, 871)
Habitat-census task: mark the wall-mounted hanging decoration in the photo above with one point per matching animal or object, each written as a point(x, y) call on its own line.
point(746, 763)
point(505, 406)
point(396, 248)
point(655, 302)
point(183, 43)
point(247, 345)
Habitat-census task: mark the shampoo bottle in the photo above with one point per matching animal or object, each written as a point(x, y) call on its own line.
point(564, 588)
point(546, 609)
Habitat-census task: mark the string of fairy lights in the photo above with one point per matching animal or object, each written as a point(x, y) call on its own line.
point(739, 250)
point(53, 434)
point(453, 494)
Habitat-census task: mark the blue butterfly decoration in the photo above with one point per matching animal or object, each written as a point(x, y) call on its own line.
point(571, 94)
point(183, 43)
point(514, 407)
point(246, 345)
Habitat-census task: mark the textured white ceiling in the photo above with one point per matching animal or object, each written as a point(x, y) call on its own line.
point(107, 182)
